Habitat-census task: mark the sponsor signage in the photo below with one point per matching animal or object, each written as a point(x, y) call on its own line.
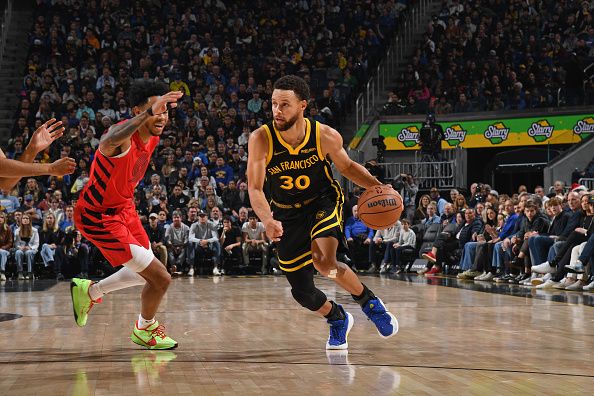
point(529, 131)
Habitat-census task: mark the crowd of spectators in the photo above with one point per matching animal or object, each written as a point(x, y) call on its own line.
point(543, 239)
point(225, 56)
point(499, 55)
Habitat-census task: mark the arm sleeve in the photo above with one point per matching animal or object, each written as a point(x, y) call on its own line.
point(347, 229)
point(411, 239)
point(192, 236)
point(34, 242)
point(214, 233)
point(167, 238)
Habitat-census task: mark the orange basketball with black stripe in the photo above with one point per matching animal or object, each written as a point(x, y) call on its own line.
point(380, 207)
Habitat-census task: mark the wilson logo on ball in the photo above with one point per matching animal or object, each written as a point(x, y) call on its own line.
point(383, 203)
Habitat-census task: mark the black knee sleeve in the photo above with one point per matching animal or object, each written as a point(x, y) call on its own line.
point(303, 289)
point(312, 299)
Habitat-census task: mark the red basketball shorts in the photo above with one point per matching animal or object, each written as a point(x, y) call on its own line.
point(118, 234)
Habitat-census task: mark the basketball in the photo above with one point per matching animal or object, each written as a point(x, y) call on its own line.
point(380, 207)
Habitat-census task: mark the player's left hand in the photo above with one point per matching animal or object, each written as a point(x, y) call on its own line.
point(168, 100)
point(45, 135)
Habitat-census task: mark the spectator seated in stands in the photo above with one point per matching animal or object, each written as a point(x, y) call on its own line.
point(439, 201)
point(255, 242)
point(449, 215)
point(230, 239)
point(156, 235)
point(543, 248)
point(381, 241)
point(50, 239)
point(557, 266)
point(432, 217)
point(68, 219)
point(26, 243)
point(582, 262)
point(8, 203)
point(526, 80)
point(204, 242)
point(468, 263)
point(450, 240)
point(177, 237)
point(394, 251)
point(358, 236)
point(536, 223)
point(6, 243)
point(74, 254)
point(421, 212)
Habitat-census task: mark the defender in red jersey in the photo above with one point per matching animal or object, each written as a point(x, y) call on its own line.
point(106, 216)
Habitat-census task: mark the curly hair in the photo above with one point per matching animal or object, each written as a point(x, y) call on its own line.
point(293, 83)
point(141, 91)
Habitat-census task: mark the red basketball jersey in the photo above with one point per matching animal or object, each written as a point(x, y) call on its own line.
point(112, 180)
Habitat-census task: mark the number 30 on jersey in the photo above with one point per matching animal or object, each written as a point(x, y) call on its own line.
point(300, 183)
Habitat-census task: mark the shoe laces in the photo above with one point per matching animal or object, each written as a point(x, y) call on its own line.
point(375, 310)
point(159, 331)
point(335, 329)
point(93, 302)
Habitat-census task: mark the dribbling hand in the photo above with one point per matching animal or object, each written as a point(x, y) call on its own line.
point(274, 230)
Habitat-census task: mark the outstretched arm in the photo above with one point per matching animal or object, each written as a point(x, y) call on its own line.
point(9, 169)
point(331, 142)
point(40, 140)
point(119, 134)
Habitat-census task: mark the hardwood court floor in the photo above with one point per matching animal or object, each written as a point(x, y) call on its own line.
point(246, 336)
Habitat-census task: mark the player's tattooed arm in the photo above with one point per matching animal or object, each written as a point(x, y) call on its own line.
point(117, 139)
point(119, 134)
point(331, 142)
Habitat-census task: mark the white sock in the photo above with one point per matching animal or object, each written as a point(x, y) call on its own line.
point(120, 280)
point(144, 323)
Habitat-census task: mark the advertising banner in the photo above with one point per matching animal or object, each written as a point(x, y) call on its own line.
point(530, 131)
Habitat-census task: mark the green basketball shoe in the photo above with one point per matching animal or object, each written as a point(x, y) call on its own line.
point(153, 337)
point(81, 301)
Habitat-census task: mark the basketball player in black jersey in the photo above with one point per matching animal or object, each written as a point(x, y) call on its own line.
point(292, 155)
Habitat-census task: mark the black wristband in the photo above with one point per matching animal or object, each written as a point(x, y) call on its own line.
point(149, 111)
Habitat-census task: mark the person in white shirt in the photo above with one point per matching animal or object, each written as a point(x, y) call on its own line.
point(254, 240)
point(383, 238)
point(406, 241)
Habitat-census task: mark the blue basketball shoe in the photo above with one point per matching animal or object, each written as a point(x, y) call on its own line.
point(339, 331)
point(384, 320)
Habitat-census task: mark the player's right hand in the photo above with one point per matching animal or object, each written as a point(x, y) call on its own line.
point(274, 229)
point(61, 167)
point(171, 98)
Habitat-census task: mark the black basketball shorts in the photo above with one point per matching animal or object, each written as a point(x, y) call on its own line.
point(321, 218)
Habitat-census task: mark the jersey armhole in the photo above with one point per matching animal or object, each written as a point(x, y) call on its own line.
point(120, 155)
point(318, 132)
point(270, 144)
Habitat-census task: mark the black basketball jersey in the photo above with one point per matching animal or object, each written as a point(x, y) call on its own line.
point(296, 176)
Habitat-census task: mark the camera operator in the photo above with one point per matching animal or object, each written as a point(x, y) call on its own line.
point(430, 137)
point(379, 144)
point(405, 185)
point(478, 193)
